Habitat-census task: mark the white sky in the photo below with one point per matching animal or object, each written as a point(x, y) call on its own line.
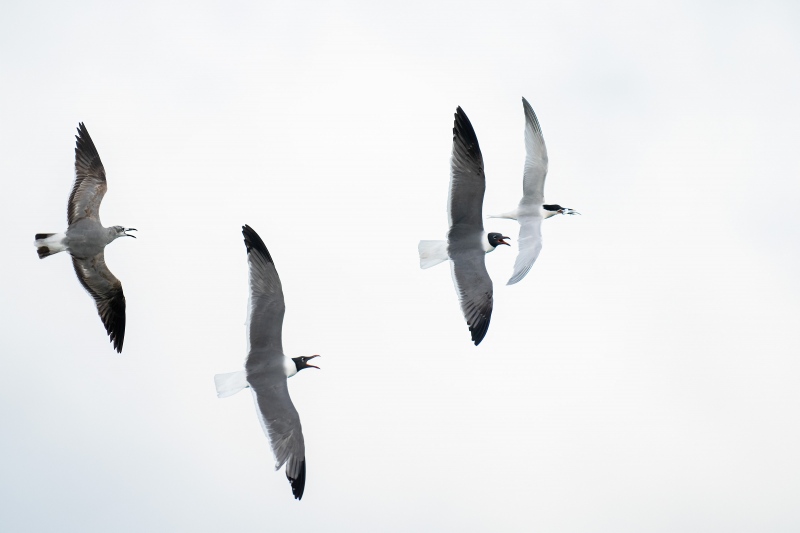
point(643, 377)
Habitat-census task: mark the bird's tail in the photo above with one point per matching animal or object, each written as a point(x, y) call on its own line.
point(49, 243)
point(510, 214)
point(230, 383)
point(432, 253)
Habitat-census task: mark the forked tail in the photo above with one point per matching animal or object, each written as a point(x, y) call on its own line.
point(230, 383)
point(432, 253)
point(49, 243)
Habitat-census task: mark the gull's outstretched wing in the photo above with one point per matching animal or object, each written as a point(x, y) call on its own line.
point(467, 180)
point(281, 424)
point(106, 290)
point(90, 180)
point(265, 303)
point(474, 289)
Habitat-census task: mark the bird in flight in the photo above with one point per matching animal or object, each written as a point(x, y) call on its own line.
point(267, 368)
point(532, 209)
point(86, 238)
point(467, 243)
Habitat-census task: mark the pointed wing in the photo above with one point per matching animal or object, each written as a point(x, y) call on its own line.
point(90, 180)
point(281, 424)
point(530, 244)
point(266, 306)
point(474, 289)
point(106, 290)
point(535, 159)
point(467, 180)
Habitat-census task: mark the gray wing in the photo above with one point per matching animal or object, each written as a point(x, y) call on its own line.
point(467, 180)
point(266, 305)
point(474, 289)
point(535, 158)
point(530, 244)
point(281, 424)
point(90, 180)
point(106, 290)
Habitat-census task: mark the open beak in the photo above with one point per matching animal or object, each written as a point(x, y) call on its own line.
point(130, 229)
point(312, 366)
point(501, 241)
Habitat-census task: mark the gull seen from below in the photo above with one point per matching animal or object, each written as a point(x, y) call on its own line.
point(266, 368)
point(467, 244)
point(532, 210)
point(86, 238)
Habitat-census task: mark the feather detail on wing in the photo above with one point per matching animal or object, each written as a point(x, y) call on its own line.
point(281, 424)
point(106, 290)
point(474, 289)
point(535, 158)
point(530, 244)
point(467, 180)
point(266, 301)
point(90, 180)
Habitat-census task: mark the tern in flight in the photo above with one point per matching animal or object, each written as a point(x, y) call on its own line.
point(532, 210)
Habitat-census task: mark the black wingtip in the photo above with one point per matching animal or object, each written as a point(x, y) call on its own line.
point(298, 483)
point(116, 325)
point(253, 242)
point(479, 330)
point(84, 144)
point(464, 134)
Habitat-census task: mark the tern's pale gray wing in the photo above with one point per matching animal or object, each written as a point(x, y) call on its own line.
point(535, 158)
point(530, 244)
point(467, 180)
point(106, 290)
point(90, 180)
point(474, 289)
point(281, 423)
point(266, 306)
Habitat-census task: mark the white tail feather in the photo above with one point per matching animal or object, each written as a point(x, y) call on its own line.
point(432, 253)
point(49, 244)
point(230, 383)
point(511, 215)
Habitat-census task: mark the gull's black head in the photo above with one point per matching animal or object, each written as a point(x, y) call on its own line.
point(120, 232)
point(496, 239)
point(555, 209)
point(302, 362)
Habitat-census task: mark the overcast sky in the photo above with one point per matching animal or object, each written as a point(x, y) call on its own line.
point(644, 376)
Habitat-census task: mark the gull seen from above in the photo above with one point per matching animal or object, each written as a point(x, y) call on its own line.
point(267, 368)
point(532, 210)
point(86, 238)
point(467, 244)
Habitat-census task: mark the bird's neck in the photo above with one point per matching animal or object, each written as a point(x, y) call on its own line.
point(547, 214)
point(111, 234)
point(487, 246)
point(289, 368)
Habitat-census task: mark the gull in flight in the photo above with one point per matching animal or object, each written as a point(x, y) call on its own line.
point(266, 368)
point(467, 243)
point(86, 238)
